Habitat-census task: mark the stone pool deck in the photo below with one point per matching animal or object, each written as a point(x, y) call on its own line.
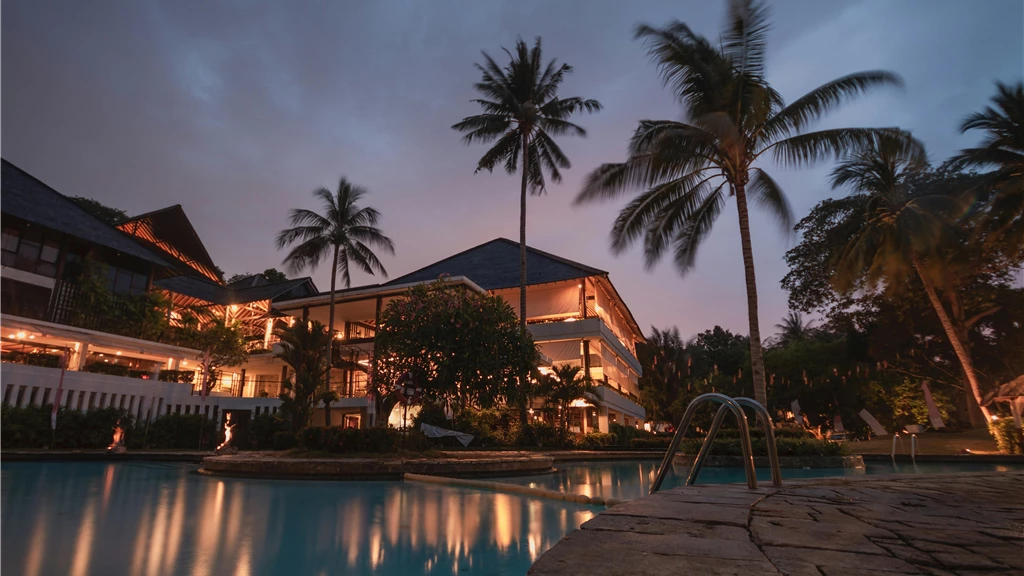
point(935, 524)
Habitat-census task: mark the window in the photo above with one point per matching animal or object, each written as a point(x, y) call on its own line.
point(10, 239)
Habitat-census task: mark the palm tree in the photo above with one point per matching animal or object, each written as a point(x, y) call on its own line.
point(521, 112)
point(903, 235)
point(344, 232)
point(733, 118)
point(793, 328)
point(1003, 150)
point(564, 385)
point(304, 347)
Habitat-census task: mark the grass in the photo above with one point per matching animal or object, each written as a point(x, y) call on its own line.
point(978, 441)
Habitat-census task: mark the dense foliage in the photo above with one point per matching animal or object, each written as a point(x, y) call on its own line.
point(303, 347)
point(29, 427)
point(462, 348)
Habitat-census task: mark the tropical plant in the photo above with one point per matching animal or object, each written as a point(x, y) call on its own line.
point(565, 385)
point(901, 236)
point(663, 361)
point(344, 232)
point(303, 347)
point(733, 119)
point(522, 111)
point(793, 328)
point(220, 345)
point(462, 348)
point(1003, 151)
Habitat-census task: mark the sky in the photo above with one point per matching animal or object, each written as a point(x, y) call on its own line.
point(238, 110)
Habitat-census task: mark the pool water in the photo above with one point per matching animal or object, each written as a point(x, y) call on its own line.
point(629, 479)
point(161, 519)
point(155, 519)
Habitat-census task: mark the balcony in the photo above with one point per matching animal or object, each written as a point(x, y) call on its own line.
point(589, 328)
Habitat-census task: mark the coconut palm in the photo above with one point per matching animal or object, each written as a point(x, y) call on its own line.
point(902, 236)
point(733, 118)
point(562, 387)
point(344, 232)
point(1001, 150)
point(793, 328)
point(521, 114)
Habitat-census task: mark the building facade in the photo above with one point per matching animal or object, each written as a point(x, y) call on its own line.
point(72, 282)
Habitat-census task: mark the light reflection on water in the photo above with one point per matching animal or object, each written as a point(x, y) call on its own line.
point(151, 519)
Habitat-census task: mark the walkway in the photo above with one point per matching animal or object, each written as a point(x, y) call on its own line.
point(929, 524)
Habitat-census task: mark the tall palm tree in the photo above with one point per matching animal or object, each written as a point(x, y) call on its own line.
point(344, 232)
point(733, 118)
point(903, 235)
point(521, 112)
point(1003, 150)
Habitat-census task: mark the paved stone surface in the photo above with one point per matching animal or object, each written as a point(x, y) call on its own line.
point(939, 524)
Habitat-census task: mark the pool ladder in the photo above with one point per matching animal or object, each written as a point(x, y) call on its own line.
point(734, 405)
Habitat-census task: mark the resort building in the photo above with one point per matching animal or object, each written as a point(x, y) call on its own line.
point(51, 246)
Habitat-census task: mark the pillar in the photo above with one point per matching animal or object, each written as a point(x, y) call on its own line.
point(268, 333)
point(83, 354)
point(602, 419)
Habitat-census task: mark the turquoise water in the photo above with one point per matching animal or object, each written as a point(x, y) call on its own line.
point(630, 479)
point(159, 519)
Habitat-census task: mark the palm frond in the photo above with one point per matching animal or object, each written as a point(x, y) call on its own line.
point(743, 41)
point(807, 149)
point(766, 194)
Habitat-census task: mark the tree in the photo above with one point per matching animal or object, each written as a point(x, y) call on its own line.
point(662, 358)
point(793, 328)
point(561, 388)
point(733, 118)
point(344, 232)
point(522, 111)
point(462, 347)
point(220, 345)
point(1003, 150)
point(303, 347)
point(109, 215)
point(903, 235)
point(270, 275)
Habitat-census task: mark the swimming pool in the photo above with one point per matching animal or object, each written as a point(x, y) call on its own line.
point(629, 479)
point(160, 519)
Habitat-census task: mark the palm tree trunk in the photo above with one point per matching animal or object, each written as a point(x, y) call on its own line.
point(521, 400)
point(756, 355)
point(954, 339)
point(330, 332)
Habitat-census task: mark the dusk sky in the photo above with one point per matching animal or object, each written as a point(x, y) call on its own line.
point(238, 110)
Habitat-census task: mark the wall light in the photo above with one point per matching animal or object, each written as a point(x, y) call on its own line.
point(31, 336)
point(12, 336)
point(21, 334)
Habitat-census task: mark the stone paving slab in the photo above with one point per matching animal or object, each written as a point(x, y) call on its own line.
point(940, 524)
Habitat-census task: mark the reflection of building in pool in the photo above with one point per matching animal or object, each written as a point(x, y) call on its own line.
point(51, 246)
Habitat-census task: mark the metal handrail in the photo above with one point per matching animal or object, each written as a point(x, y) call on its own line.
point(769, 434)
point(684, 423)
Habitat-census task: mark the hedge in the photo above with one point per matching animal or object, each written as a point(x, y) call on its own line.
point(352, 440)
point(1008, 438)
point(731, 446)
point(29, 427)
point(179, 376)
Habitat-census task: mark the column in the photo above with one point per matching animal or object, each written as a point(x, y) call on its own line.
point(269, 331)
point(83, 354)
point(602, 419)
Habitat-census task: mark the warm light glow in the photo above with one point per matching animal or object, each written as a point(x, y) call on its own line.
point(579, 403)
point(11, 336)
point(21, 334)
point(994, 417)
point(31, 336)
point(184, 362)
point(118, 352)
point(234, 307)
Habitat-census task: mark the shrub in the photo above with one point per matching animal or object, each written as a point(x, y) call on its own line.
point(105, 368)
point(33, 359)
point(1007, 437)
point(625, 434)
point(262, 430)
point(179, 376)
point(652, 443)
point(593, 440)
point(180, 431)
point(284, 440)
point(29, 427)
point(356, 440)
